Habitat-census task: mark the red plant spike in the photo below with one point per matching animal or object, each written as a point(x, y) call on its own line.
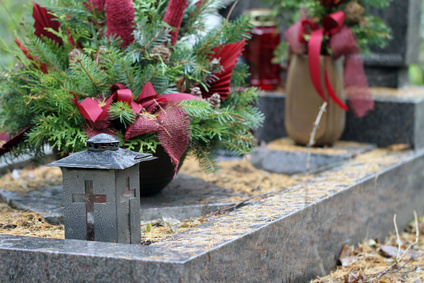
point(174, 16)
point(36, 61)
point(120, 16)
point(227, 54)
point(12, 142)
point(42, 20)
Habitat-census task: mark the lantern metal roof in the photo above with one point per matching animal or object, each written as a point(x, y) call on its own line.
point(103, 152)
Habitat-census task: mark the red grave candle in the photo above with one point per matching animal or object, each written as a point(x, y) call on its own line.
point(260, 50)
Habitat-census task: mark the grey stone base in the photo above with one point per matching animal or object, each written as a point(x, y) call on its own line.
point(291, 236)
point(47, 201)
point(398, 117)
point(183, 198)
point(294, 162)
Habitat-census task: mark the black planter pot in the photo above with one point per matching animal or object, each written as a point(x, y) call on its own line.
point(155, 175)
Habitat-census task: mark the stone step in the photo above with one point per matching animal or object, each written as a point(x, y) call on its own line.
point(184, 198)
point(283, 157)
point(291, 236)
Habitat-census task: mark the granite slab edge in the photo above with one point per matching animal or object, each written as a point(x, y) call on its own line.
point(193, 243)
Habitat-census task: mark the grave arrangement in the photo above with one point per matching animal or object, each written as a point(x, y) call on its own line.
point(325, 45)
point(154, 74)
point(291, 230)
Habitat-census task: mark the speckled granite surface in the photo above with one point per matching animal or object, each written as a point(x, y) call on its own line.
point(291, 236)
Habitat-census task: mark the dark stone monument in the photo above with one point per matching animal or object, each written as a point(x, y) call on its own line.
point(388, 67)
point(273, 105)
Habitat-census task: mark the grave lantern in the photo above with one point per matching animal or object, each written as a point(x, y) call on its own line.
point(101, 192)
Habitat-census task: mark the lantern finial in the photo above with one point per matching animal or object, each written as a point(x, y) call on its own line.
point(102, 142)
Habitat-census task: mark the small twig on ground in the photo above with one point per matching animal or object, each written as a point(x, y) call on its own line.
point(310, 144)
point(312, 136)
point(388, 269)
point(234, 206)
point(397, 237)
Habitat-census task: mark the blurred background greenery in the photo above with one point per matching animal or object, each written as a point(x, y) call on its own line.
point(12, 12)
point(416, 71)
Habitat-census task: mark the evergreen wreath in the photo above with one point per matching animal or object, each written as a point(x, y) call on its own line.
point(134, 70)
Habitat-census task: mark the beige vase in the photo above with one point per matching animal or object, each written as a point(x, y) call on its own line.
point(303, 102)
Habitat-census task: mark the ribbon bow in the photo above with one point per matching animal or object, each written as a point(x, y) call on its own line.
point(91, 110)
point(331, 25)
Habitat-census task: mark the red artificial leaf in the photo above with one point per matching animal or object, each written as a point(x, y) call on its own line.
point(174, 16)
point(227, 54)
point(10, 143)
point(120, 16)
point(42, 20)
point(36, 62)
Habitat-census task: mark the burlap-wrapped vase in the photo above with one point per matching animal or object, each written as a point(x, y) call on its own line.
point(303, 102)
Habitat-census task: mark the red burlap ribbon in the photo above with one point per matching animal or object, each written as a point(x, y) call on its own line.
point(120, 16)
point(174, 16)
point(342, 42)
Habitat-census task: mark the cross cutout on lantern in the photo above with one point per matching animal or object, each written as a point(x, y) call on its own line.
point(90, 199)
point(101, 189)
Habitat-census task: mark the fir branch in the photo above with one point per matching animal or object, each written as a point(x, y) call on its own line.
point(87, 75)
point(122, 111)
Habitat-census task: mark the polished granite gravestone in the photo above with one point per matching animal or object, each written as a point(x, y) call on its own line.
point(397, 118)
point(388, 67)
point(290, 236)
point(183, 198)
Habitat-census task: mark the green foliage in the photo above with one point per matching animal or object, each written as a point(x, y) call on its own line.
point(122, 111)
point(11, 13)
point(46, 100)
point(144, 143)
